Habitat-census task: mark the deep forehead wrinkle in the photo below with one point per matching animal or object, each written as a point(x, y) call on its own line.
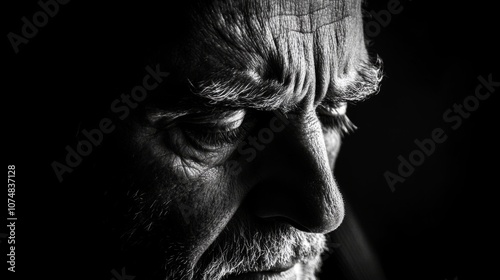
point(295, 46)
point(242, 34)
point(330, 9)
point(308, 17)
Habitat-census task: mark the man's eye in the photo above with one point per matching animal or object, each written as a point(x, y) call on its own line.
point(212, 134)
point(335, 119)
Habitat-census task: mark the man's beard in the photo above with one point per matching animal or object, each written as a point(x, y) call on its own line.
point(242, 248)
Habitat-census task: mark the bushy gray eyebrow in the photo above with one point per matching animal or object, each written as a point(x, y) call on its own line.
point(242, 91)
point(365, 84)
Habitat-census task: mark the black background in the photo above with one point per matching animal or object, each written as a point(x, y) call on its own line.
point(437, 224)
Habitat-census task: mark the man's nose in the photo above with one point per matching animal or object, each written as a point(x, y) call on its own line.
point(296, 183)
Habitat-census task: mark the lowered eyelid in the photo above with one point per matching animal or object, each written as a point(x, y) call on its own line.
point(234, 120)
point(216, 119)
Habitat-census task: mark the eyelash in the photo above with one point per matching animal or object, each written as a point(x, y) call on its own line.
point(201, 137)
point(340, 123)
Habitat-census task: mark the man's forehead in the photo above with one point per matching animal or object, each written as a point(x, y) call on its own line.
point(293, 43)
point(287, 7)
point(262, 26)
point(311, 10)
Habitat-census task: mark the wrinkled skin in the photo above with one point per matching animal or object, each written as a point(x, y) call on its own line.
point(228, 168)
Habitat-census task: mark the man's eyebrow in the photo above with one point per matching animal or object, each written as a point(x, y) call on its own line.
point(240, 90)
point(366, 83)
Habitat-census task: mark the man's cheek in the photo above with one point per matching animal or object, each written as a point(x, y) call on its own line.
point(206, 206)
point(205, 191)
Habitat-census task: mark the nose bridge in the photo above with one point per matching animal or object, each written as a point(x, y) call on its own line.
point(305, 144)
point(299, 184)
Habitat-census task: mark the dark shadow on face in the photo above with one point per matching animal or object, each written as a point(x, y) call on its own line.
point(225, 169)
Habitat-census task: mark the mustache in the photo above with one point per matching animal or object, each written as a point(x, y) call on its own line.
point(242, 247)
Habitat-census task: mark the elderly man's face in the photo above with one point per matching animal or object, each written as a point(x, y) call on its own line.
point(231, 174)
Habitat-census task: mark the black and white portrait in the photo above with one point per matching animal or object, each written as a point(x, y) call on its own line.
point(250, 140)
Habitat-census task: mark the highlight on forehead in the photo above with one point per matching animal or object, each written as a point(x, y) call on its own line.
point(245, 34)
point(255, 54)
point(284, 7)
point(309, 14)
